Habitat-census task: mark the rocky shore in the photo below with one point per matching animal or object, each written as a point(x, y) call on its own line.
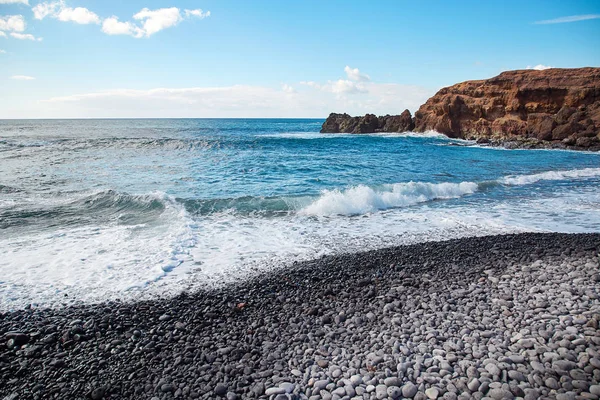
point(552, 108)
point(499, 317)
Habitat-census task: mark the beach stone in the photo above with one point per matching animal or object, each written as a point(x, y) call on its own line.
point(340, 391)
point(394, 392)
point(500, 394)
point(321, 384)
point(566, 396)
point(287, 386)
point(563, 365)
point(595, 390)
point(381, 392)
point(392, 381)
point(552, 383)
point(432, 393)
point(167, 387)
point(517, 358)
point(164, 317)
point(526, 343)
point(97, 393)
point(274, 391)
point(409, 390)
point(492, 369)
point(474, 384)
point(356, 380)
point(578, 374)
point(220, 389)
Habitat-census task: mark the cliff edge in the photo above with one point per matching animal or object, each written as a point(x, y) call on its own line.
point(549, 108)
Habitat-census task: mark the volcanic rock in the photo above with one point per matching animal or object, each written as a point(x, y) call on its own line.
point(549, 105)
point(370, 123)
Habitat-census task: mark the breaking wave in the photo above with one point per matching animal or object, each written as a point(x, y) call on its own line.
point(363, 199)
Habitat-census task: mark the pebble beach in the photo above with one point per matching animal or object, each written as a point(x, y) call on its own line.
point(496, 317)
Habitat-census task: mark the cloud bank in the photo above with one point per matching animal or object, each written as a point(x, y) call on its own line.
point(309, 99)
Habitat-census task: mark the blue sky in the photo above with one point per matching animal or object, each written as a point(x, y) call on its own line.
point(169, 58)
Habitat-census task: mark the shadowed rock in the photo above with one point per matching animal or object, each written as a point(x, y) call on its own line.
point(370, 123)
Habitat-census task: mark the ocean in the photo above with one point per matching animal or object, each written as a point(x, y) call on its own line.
point(94, 210)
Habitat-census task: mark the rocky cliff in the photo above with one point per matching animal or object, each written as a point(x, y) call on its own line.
point(549, 105)
point(549, 108)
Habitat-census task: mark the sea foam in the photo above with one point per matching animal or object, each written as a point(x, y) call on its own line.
point(550, 176)
point(363, 199)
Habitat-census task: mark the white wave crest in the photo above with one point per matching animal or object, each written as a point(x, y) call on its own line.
point(419, 135)
point(550, 176)
point(363, 199)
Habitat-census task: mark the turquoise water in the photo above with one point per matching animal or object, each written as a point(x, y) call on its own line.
point(97, 209)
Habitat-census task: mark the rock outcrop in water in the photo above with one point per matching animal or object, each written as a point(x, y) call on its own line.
point(525, 108)
point(370, 123)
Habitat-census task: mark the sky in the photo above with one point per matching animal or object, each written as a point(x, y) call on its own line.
point(239, 58)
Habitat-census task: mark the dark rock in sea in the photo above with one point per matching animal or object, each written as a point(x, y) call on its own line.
point(370, 123)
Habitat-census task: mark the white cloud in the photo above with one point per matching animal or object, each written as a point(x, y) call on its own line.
point(539, 67)
point(60, 11)
point(25, 36)
point(78, 15)
point(197, 13)
point(355, 75)
point(2, 34)
point(311, 84)
point(15, 23)
point(26, 2)
point(2, 51)
point(287, 88)
point(571, 18)
point(344, 86)
point(42, 10)
point(154, 21)
point(112, 26)
point(22, 78)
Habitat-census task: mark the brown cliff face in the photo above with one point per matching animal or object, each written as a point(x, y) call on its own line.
point(556, 105)
point(370, 123)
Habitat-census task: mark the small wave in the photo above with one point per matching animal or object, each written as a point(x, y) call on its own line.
point(9, 189)
point(297, 135)
point(247, 205)
point(117, 201)
point(97, 208)
point(364, 199)
point(515, 180)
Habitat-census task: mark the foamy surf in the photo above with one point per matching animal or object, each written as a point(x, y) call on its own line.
point(551, 176)
point(363, 199)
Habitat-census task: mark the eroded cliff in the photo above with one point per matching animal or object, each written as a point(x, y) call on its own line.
point(549, 108)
